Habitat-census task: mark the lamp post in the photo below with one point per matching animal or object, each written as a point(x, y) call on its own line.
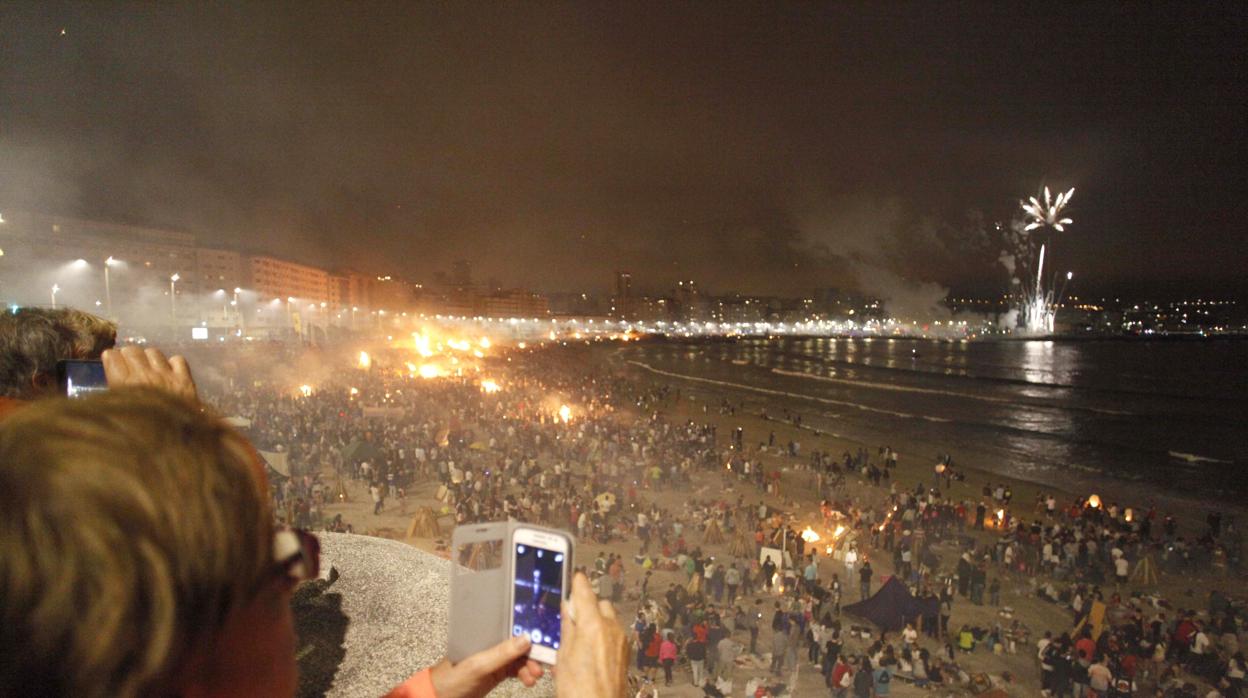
point(108, 288)
point(55, 288)
point(238, 309)
point(173, 297)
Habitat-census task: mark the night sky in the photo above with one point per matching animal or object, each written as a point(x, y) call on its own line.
point(763, 148)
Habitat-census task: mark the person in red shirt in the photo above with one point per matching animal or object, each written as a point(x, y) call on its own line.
point(1085, 646)
point(652, 652)
point(699, 631)
point(841, 678)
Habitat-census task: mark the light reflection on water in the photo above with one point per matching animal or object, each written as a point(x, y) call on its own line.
point(1026, 406)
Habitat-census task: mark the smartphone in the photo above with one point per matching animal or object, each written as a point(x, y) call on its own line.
point(541, 580)
point(77, 378)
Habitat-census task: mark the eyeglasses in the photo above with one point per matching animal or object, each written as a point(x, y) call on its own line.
point(297, 554)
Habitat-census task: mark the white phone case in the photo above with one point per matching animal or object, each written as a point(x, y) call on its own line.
point(481, 573)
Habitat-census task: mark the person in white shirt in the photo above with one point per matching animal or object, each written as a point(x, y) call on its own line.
point(909, 636)
point(1200, 644)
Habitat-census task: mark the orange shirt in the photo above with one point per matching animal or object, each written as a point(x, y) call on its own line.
point(419, 686)
point(9, 405)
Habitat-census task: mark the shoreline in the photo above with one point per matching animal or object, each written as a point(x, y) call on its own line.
point(1188, 509)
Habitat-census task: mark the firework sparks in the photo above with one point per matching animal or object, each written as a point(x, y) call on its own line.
point(1048, 213)
point(1039, 311)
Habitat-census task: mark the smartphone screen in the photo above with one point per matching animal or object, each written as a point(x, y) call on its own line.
point(538, 592)
point(79, 378)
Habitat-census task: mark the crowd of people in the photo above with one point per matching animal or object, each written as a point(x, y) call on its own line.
point(141, 554)
point(709, 534)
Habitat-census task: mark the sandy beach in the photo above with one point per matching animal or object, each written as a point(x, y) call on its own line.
point(797, 496)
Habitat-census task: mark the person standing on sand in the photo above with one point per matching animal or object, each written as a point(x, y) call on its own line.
point(864, 577)
point(728, 649)
point(779, 647)
point(667, 656)
point(751, 624)
point(378, 499)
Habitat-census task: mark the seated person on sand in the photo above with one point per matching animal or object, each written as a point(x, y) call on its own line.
point(141, 558)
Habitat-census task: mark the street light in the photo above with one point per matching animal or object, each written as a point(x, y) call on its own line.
point(238, 309)
point(173, 302)
point(108, 289)
point(55, 288)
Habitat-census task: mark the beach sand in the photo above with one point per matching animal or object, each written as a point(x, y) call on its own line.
point(797, 495)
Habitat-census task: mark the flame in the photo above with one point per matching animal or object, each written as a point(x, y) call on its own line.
point(1000, 514)
point(365, 360)
point(354, 391)
point(1094, 502)
point(1129, 514)
point(490, 386)
point(565, 413)
point(552, 335)
point(839, 530)
point(477, 353)
point(306, 390)
point(429, 371)
point(459, 344)
point(422, 344)
point(484, 343)
point(810, 536)
point(522, 345)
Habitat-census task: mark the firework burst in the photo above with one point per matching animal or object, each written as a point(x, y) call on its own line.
point(1039, 311)
point(1047, 214)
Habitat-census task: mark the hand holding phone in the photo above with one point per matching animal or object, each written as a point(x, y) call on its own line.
point(138, 366)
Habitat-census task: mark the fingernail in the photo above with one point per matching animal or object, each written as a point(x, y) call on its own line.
point(520, 641)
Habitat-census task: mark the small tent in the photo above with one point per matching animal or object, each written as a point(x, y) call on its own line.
point(360, 450)
point(277, 462)
point(890, 608)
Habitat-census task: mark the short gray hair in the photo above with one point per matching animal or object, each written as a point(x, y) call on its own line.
point(32, 340)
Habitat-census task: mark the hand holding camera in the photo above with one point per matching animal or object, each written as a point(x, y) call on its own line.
point(136, 366)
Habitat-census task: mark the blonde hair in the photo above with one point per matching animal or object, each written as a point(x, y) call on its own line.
point(131, 524)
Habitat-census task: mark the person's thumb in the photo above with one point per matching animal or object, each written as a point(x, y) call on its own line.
point(499, 656)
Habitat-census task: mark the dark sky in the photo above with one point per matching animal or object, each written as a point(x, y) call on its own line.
point(749, 146)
